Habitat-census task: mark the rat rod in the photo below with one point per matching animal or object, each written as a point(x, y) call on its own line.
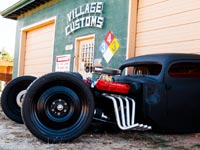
point(159, 92)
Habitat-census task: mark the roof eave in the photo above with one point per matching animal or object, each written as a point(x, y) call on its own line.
point(7, 12)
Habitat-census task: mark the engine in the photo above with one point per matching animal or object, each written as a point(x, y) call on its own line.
point(106, 84)
point(113, 104)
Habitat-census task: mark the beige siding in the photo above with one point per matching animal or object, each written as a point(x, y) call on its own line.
point(39, 50)
point(168, 26)
point(145, 3)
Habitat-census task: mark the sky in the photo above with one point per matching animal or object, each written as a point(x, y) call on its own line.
point(7, 28)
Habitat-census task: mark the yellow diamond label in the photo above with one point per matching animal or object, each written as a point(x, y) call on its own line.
point(114, 46)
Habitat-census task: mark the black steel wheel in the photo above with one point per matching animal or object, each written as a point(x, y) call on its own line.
point(58, 107)
point(11, 97)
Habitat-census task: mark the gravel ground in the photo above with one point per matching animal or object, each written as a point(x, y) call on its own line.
point(16, 136)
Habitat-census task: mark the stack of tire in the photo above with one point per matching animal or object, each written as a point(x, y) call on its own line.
point(56, 107)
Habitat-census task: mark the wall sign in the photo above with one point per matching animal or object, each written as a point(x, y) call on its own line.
point(87, 15)
point(109, 46)
point(63, 63)
point(69, 47)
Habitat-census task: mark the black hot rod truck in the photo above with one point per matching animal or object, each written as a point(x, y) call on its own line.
point(159, 92)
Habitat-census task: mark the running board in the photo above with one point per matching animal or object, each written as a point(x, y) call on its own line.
point(124, 108)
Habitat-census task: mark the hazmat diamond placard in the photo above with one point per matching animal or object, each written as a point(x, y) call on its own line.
point(109, 46)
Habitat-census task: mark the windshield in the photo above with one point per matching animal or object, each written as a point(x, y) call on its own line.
point(144, 69)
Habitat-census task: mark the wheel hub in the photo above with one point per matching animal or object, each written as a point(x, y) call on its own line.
point(19, 98)
point(59, 108)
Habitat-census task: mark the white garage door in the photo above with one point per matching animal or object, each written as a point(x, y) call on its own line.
point(168, 26)
point(39, 50)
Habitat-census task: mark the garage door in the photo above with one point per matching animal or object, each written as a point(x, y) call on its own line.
point(168, 26)
point(39, 50)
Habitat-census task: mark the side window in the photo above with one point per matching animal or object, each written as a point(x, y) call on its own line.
point(185, 70)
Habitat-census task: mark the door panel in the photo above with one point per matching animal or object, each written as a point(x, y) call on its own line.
point(183, 95)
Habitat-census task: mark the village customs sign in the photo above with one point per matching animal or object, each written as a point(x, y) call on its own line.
point(87, 15)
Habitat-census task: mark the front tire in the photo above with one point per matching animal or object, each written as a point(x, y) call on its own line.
point(12, 96)
point(58, 107)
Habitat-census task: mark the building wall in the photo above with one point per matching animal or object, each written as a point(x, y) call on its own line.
point(115, 13)
point(162, 26)
point(168, 26)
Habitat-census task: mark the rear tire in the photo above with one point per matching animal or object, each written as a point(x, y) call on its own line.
point(13, 90)
point(58, 107)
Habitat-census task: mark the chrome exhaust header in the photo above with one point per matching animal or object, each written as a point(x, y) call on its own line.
point(124, 108)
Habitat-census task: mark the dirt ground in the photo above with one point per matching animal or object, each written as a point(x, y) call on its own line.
point(15, 136)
